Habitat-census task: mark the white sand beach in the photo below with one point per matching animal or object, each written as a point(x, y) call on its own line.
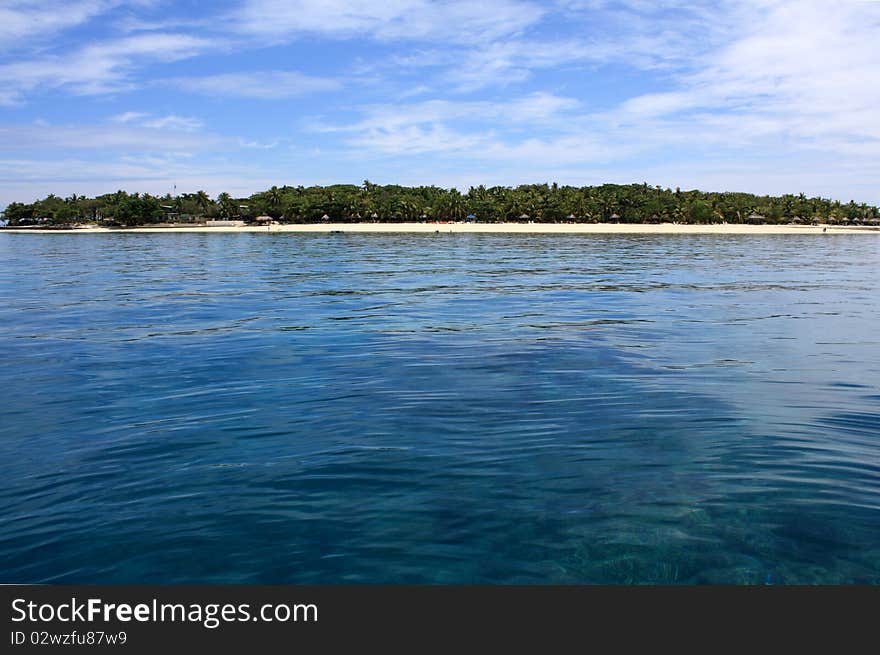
point(477, 228)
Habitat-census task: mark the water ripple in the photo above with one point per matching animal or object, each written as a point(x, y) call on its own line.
point(479, 409)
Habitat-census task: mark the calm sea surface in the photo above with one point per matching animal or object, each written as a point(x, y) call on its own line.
point(340, 408)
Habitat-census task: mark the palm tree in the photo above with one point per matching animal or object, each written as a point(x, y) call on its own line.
point(273, 196)
point(228, 206)
point(203, 201)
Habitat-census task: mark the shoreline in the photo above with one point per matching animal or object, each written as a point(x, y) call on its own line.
point(470, 228)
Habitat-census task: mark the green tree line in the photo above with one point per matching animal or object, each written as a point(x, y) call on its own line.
point(348, 203)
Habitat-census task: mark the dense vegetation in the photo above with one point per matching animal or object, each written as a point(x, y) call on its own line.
point(635, 203)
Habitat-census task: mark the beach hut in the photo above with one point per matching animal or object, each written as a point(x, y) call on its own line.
point(374, 216)
point(471, 218)
point(523, 217)
point(263, 219)
point(571, 217)
point(615, 217)
point(756, 218)
point(325, 218)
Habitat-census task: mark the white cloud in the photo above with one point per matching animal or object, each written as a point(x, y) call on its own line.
point(649, 36)
point(25, 180)
point(496, 131)
point(456, 21)
point(258, 145)
point(173, 122)
point(116, 137)
point(264, 85)
point(536, 109)
point(418, 139)
point(22, 22)
point(97, 68)
point(170, 122)
point(803, 75)
point(129, 117)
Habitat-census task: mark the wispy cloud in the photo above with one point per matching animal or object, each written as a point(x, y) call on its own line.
point(660, 36)
point(481, 129)
point(455, 21)
point(173, 122)
point(803, 75)
point(97, 68)
point(26, 179)
point(22, 21)
point(258, 145)
point(535, 108)
point(264, 85)
point(163, 135)
point(129, 117)
point(800, 80)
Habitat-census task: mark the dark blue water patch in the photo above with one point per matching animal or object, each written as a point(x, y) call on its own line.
point(486, 409)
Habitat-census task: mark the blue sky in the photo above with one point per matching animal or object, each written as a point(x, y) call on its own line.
point(760, 96)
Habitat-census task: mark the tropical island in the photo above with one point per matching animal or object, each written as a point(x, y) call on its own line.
point(541, 204)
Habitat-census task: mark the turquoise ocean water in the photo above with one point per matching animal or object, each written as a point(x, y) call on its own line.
point(341, 408)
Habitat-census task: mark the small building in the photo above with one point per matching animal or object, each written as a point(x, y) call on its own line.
point(756, 219)
point(471, 218)
point(524, 217)
point(325, 218)
point(263, 219)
